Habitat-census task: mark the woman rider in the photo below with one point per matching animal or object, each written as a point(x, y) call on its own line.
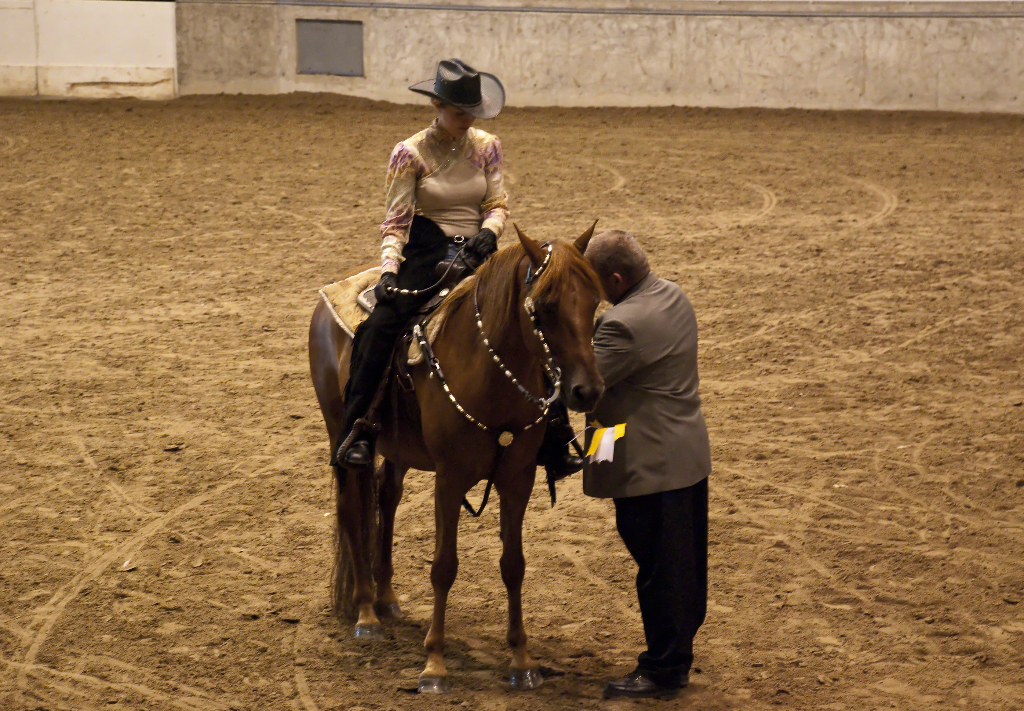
point(442, 182)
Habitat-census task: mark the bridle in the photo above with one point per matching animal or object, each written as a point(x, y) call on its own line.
point(552, 373)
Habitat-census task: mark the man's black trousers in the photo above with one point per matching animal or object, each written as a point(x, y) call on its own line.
point(667, 535)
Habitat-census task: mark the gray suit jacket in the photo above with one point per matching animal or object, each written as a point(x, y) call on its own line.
point(646, 347)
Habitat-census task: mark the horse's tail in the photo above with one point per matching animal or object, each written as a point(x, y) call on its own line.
point(361, 517)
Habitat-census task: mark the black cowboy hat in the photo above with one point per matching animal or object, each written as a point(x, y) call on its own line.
point(477, 93)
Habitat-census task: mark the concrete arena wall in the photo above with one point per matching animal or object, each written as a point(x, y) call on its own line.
point(87, 48)
point(955, 56)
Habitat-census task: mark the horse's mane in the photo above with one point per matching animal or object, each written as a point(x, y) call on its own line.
point(497, 279)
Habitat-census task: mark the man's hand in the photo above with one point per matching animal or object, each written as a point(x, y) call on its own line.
point(387, 288)
point(483, 244)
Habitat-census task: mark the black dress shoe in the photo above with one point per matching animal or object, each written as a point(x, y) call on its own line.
point(639, 685)
point(359, 453)
point(563, 464)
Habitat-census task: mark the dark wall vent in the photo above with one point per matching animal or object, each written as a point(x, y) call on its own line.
point(330, 47)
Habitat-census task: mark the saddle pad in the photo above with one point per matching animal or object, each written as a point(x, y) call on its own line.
point(341, 298)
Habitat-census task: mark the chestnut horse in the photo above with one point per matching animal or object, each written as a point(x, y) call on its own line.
point(513, 335)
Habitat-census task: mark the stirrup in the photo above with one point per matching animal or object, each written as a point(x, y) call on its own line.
point(359, 453)
point(358, 431)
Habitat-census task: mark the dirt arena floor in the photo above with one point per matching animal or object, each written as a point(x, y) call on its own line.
point(165, 493)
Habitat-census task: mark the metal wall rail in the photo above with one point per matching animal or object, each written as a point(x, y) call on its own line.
point(852, 13)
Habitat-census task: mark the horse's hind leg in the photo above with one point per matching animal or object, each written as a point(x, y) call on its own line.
point(356, 511)
point(524, 671)
point(356, 502)
point(391, 478)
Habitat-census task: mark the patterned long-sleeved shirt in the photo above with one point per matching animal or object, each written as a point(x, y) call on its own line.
point(457, 184)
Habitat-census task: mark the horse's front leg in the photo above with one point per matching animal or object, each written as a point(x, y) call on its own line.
point(515, 495)
point(447, 500)
point(391, 478)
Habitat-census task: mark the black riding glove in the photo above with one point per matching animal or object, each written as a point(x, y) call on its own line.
point(387, 288)
point(483, 244)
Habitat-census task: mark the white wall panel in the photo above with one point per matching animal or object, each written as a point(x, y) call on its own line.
point(17, 48)
point(106, 33)
point(17, 32)
point(88, 48)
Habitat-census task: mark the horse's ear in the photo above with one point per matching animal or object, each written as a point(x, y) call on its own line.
point(584, 239)
point(533, 250)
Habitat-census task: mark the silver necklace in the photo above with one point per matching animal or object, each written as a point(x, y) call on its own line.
point(450, 156)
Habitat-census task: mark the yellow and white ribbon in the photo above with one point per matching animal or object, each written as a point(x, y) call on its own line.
point(602, 445)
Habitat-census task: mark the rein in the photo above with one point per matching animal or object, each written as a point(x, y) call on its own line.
point(504, 438)
point(554, 374)
point(457, 239)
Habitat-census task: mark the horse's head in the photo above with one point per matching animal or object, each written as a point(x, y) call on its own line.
point(564, 292)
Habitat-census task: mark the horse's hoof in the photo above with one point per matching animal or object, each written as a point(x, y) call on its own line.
point(434, 685)
point(389, 610)
point(525, 679)
point(369, 633)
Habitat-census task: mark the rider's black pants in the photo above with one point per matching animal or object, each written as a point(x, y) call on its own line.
point(376, 336)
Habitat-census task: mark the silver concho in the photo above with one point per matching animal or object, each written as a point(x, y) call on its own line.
point(505, 438)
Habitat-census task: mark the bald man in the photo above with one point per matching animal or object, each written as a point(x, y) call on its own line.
point(648, 451)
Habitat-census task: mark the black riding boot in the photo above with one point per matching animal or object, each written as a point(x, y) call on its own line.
point(371, 350)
